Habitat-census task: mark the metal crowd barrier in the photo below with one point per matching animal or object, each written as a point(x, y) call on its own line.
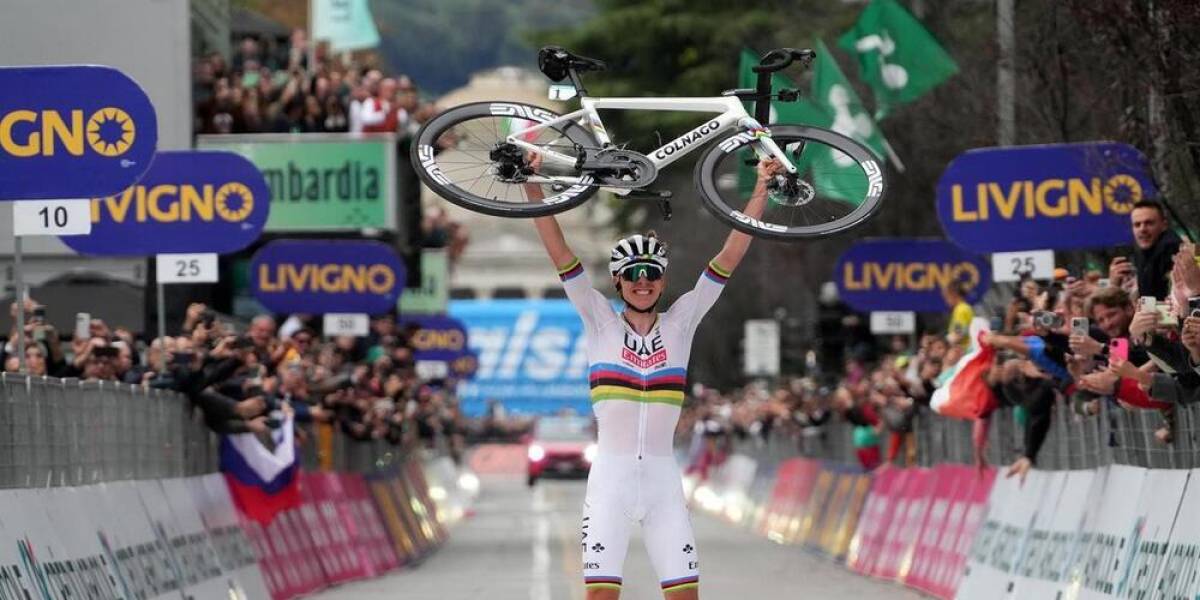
point(67, 432)
point(64, 432)
point(1114, 436)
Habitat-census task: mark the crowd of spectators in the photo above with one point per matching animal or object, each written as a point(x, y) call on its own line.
point(239, 381)
point(268, 88)
point(1129, 337)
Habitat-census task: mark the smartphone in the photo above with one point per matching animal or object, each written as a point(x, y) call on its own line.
point(83, 326)
point(105, 352)
point(996, 323)
point(1119, 347)
point(1079, 326)
point(39, 314)
point(1103, 283)
point(182, 358)
point(1147, 304)
point(1194, 306)
point(241, 342)
point(1165, 318)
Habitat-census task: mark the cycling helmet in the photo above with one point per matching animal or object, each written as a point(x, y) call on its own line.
point(636, 249)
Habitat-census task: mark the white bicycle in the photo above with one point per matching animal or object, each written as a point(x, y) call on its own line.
point(479, 156)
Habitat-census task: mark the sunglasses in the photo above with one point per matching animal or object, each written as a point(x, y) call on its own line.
point(634, 272)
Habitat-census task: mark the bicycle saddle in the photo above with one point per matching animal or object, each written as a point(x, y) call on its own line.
point(556, 63)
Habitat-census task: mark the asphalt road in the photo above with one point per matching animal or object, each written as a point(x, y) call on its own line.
point(523, 544)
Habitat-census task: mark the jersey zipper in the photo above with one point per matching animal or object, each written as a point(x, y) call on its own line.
point(641, 429)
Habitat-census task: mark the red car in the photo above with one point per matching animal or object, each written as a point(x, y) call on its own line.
point(561, 445)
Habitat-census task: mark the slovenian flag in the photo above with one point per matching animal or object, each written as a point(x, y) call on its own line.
point(964, 392)
point(263, 482)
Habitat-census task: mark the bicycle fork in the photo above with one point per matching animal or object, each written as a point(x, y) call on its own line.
point(764, 146)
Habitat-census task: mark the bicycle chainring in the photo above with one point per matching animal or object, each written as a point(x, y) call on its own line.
point(612, 167)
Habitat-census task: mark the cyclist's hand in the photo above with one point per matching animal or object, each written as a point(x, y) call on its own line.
point(769, 168)
point(535, 161)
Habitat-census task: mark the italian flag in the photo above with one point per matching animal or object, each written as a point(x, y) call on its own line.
point(964, 392)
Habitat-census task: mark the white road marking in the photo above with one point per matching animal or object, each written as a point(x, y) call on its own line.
point(539, 588)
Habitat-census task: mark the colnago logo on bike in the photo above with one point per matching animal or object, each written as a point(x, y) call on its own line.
point(425, 153)
point(501, 109)
point(751, 221)
point(686, 140)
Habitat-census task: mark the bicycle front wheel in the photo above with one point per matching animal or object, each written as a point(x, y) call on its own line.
point(463, 155)
point(838, 183)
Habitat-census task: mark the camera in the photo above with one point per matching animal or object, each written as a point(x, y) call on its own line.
point(1047, 319)
point(208, 317)
point(1194, 306)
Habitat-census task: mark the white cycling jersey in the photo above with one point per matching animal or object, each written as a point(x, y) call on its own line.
point(637, 389)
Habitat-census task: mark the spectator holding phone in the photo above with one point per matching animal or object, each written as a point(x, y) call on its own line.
point(1156, 246)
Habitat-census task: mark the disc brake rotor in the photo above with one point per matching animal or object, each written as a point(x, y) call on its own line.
point(790, 190)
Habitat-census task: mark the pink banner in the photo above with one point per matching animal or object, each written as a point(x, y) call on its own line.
point(947, 503)
point(876, 520)
point(786, 476)
point(340, 561)
point(975, 510)
point(368, 525)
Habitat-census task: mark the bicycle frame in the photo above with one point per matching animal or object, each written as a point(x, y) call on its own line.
point(729, 114)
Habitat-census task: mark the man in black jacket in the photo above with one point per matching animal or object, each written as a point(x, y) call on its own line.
point(1154, 255)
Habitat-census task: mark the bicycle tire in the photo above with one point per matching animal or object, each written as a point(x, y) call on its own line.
point(706, 184)
point(424, 160)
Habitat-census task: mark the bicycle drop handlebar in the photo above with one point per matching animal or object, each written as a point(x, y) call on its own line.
point(782, 58)
point(775, 60)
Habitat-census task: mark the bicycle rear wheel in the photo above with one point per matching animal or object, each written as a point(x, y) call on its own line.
point(839, 183)
point(462, 154)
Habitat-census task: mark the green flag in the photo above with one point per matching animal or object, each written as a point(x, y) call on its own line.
point(897, 56)
point(831, 104)
point(347, 24)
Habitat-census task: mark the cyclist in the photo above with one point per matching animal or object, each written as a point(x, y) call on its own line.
point(637, 362)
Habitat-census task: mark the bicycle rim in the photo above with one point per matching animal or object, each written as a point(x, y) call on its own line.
point(463, 156)
point(838, 184)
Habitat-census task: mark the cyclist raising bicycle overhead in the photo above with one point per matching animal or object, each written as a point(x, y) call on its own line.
point(637, 365)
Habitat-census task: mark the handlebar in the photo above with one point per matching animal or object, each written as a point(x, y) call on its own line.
point(782, 58)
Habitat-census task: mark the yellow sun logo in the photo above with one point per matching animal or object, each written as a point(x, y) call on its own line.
point(118, 118)
point(222, 202)
point(1122, 203)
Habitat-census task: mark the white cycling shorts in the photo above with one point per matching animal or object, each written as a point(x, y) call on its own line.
point(623, 491)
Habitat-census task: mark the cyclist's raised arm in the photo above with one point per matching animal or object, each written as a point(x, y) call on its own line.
point(551, 234)
point(737, 243)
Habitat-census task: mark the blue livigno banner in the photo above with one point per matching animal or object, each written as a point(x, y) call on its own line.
point(72, 132)
point(326, 276)
point(439, 338)
point(1043, 197)
point(907, 274)
point(189, 201)
point(531, 356)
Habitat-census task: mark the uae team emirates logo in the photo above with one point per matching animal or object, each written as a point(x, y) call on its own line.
point(644, 353)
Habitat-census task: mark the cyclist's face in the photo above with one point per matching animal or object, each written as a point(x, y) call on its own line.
point(642, 293)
